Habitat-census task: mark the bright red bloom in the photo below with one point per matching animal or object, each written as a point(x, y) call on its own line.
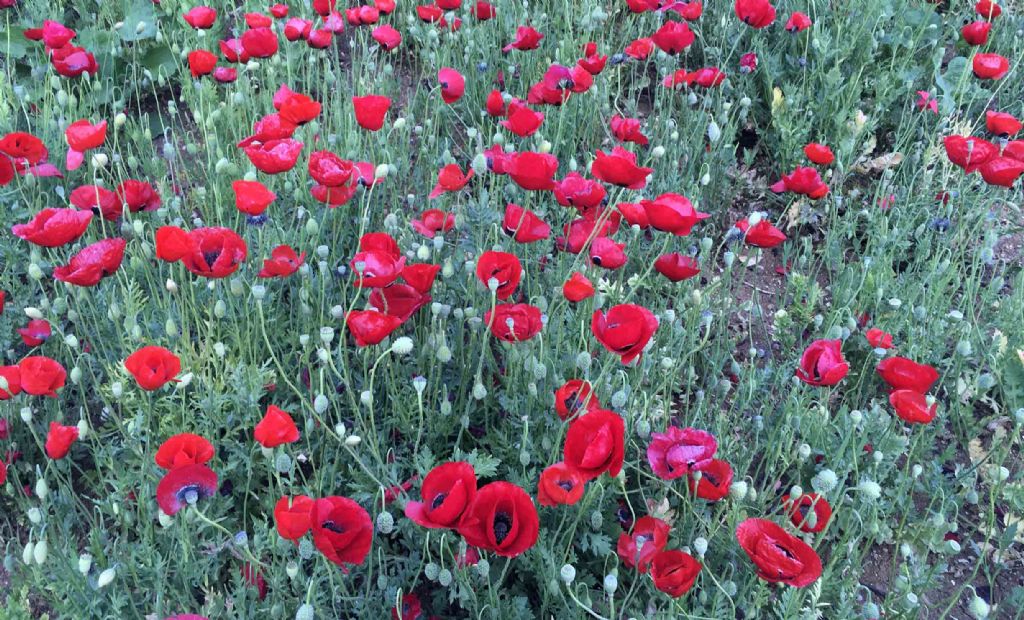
point(592, 62)
point(369, 327)
point(282, 263)
point(41, 376)
point(574, 396)
point(532, 171)
point(51, 228)
point(990, 66)
point(447, 491)
point(399, 300)
point(748, 62)
point(969, 153)
point(503, 267)
point(810, 512)
point(430, 13)
point(201, 17)
point(715, 479)
point(73, 61)
point(387, 36)
point(212, 252)
point(762, 234)
point(452, 84)
point(24, 149)
point(755, 13)
point(329, 169)
point(976, 33)
point(988, 9)
point(274, 156)
point(677, 267)
point(270, 127)
point(409, 608)
point(319, 38)
point(595, 444)
point(502, 519)
point(514, 322)
point(323, 8)
point(252, 197)
point(185, 485)
point(559, 484)
point(258, 20)
point(483, 11)
point(819, 154)
point(606, 253)
point(577, 288)
point(138, 195)
point(673, 37)
point(451, 179)
point(674, 572)
point(678, 451)
point(619, 168)
point(11, 374)
point(153, 367)
point(642, 6)
point(59, 440)
point(279, 11)
point(370, 111)
point(627, 130)
point(577, 191)
point(1003, 171)
point(524, 225)
point(92, 263)
point(904, 374)
point(798, 22)
point(1001, 123)
point(521, 120)
point(526, 39)
point(912, 406)
point(672, 213)
point(778, 555)
point(276, 428)
point(433, 221)
point(495, 104)
point(292, 516)
point(225, 75)
point(260, 42)
point(35, 333)
point(648, 537)
point(182, 450)
point(878, 339)
point(99, 200)
point(201, 62)
point(376, 268)
point(802, 180)
point(925, 101)
point(420, 276)
point(342, 530)
point(233, 51)
point(297, 28)
point(822, 363)
point(639, 49)
point(624, 330)
point(82, 136)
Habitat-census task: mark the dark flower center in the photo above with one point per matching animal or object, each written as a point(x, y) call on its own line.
point(502, 526)
point(566, 485)
point(190, 494)
point(332, 526)
point(438, 500)
point(211, 257)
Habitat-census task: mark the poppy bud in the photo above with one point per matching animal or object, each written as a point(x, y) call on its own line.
point(84, 563)
point(320, 403)
point(35, 515)
point(106, 578)
point(26, 554)
point(305, 612)
point(738, 490)
point(40, 552)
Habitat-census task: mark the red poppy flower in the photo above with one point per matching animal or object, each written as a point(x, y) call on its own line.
point(82, 136)
point(532, 171)
point(41, 376)
point(802, 180)
point(276, 428)
point(674, 572)
point(713, 481)
point(672, 213)
point(452, 84)
point(370, 111)
point(678, 451)
point(92, 263)
point(690, 11)
point(639, 49)
point(260, 42)
point(184, 486)
point(320, 38)
point(153, 367)
point(182, 450)
point(592, 62)
point(399, 300)
point(526, 39)
point(819, 154)
point(627, 130)
point(577, 288)
point(292, 516)
point(1002, 171)
point(430, 13)
point(451, 179)
point(912, 406)
point(433, 221)
point(810, 512)
point(420, 276)
point(483, 10)
point(21, 146)
point(279, 11)
point(323, 8)
point(677, 267)
point(138, 195)
point(51, 228)
point(59, 440)
point(252, 197)
point(673, 37)
point(502, 519)
point(574, 396)
point(12, 375)
point(607, 254)
point(201, 62)
point(201, 17)
point(72, 61)
point(99, 200)
point(559, 485)
point(35, 333)
point(521, 120)
point(755, 13)
point(762, 234)
point(988, 9)
point(822, 363)
point(969, 153)
point(342, 530)
point(514, 322)
point(258, 20)
point(594, 444)
point(624, 330)
point(778, 555)
point(270, 127)
point(274, 156)
point(904, 374)
point(990, 66)
point(503, 267)
point(619, 168)
point(798, 22)
point(329, 170)
point(370, 327)
point(282, 263)
point(225, 75)
point(1001, 123)
point(976, 33)
point(524, 225)
point(879, 339)
point(495, 104)
point(447, 491)
point(648, 537)
point(212, 251)
point(297, 28)
point(376, 268)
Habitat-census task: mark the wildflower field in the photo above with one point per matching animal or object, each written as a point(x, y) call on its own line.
point(514, 309)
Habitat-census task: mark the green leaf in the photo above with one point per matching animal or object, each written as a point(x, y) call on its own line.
point(13, 43)
point(142, 13)
point(159, 60)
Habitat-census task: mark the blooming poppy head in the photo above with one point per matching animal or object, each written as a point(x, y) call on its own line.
point(777, 555)
point(711, 481)
point(636, 549)
point(283, 262)
point(252, 197)
point(447, 491)
point(798, 22)
point(503, 268)
point(370, 327)
point(990, 66)
point(342, 530)
point(52, 228)
point(524, 225)
point(185, 485)
point(574, 396)
point(913, 407)
point(12, 382)
point(212, 252)
point(184, 449)
point(274, 156)
point(370, 111)
point(502, 518)
point(59, 440)
point(878, 338)
point(673, 37)
point(674, 572)
point(676, 267)
point(276, 428)
point(677, 452)
point(755, 13)
point(762, 234)
point(153, 367)
point(624, 330)
point(292, 516)
point(531, 171)
point(559, 484)
point(619, 168)
point(822, 363)
point(905, 374)
point(453, 85)
point(35, 333)
point(810, 512)
point(594, 443)
point(41, 376)
point(577, 288)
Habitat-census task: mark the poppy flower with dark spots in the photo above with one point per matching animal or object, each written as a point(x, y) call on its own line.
point(276, 428)
point(447, 491)
point(912, 406)
point(574, 396)
point(342, 530)
point(624, 330)
point(803, 180)
point(672, 213)
point(755, 13)
point(12, 376)
point(878, 339)
point(92, 263)
point(201, 17)
point(369, 327)
point(575, 190)
point(138, 195)
point(777, 555)
point(252, 197)
point(35, 333)
point(976, 33)
point(212, 252)
point(153, 367)
point(183, 449)
point(990, 66)
point(810, 512)
point(527, 38)
point(282, 263)
point(514, 322)
point(370, 110)
point(619, 168)
point(433, 221)
point(51, 228)
point(292, 516)
point(184, 486)
point(577, 288)
point(798, 22)
point(819, 154)
point(420, 276)
point(387, 37)
point(969, 153)
point(452, 84)
point(274, 156)
point(647, 538)
point(988, 9)
point(606, 253)
point(905, 374)
point(673, 37)
point(559, 485)
point(59, 440)
point(200, 63)
point(399, 300)
point(627, 130)
point(99, 200)
point(451, 178)
point(1002, 171)
point(678, 451)
point(504, 268)
point(524, 225)
point(594, 444)
point(1001, 123)
point(762, 234)
point(676, 267)
point(674, 572)
point(822, 363)
point(502, 519)
point(521, 120)
point(41, 376)
point(710, 481)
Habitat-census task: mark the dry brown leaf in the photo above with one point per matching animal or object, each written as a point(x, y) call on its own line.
point(878, 164)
